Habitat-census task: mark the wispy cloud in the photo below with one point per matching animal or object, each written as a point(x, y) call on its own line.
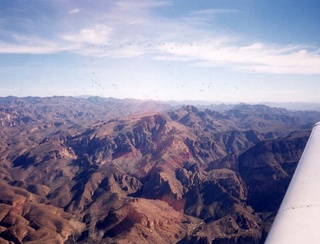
point(97, 35)
point(255, 57)
point(206, 17)
point(137, 4)
point(22, 44)
point(125, 29)
point(6, 48)
point(74, 11)
point(214, 11)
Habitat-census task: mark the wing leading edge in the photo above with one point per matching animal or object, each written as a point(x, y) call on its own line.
point(298, 218)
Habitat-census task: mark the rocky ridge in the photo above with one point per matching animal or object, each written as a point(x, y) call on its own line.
point(182, 176)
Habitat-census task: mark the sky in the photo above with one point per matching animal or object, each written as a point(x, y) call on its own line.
point(210, 50)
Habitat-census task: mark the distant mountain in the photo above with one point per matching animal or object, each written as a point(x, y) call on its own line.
point(296, 106)
point(95, 170)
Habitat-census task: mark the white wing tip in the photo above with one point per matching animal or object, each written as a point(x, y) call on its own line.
point(316, 124)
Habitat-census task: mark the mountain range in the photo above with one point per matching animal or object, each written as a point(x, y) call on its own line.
point(105, 170)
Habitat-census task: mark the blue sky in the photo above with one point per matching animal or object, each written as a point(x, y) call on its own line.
point(217, 51)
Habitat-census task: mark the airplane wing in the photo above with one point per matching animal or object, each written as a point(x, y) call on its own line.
point(298, 219)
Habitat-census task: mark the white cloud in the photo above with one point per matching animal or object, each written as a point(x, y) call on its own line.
point(129, 29)
point(97, 35)
point(31, 45)
point(138, 4)
point(256, 57)
point(74, 11)
point(111, 51)
point(214, 11)
point(128, 52)
point(23, 49)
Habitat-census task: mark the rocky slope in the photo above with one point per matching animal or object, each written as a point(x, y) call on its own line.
point(93, 170)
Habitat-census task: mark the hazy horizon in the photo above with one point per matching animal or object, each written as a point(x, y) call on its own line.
point(215, 51)
point(303, 106)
